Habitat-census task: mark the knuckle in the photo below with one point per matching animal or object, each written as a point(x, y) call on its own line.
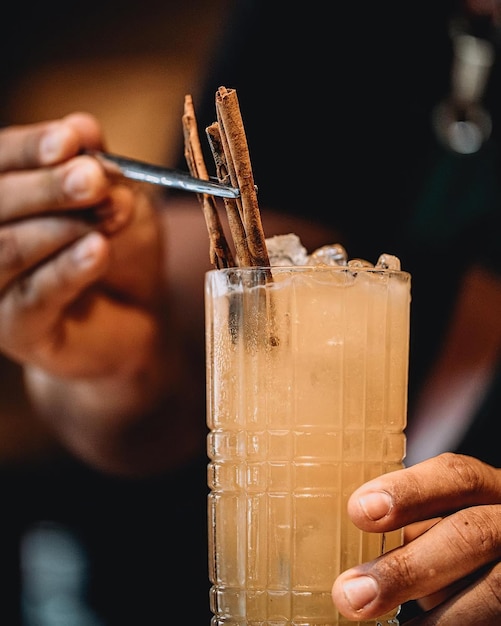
point(19, 145)
point(478, 526)
point(11, 258)
point(466, 471)
point(26, 293)
point(29, 193)
point(398, 566)
point(493, 590)
point(33, 296)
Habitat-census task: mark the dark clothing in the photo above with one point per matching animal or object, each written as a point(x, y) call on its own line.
point(105, 551)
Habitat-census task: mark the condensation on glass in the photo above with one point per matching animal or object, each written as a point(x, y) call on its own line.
point(307, 397)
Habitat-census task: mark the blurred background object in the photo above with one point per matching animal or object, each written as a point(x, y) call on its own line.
point(129, 63)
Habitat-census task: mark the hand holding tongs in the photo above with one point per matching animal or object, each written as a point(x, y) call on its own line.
point(148, 173)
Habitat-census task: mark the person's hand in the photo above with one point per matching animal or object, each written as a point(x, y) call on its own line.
point(451, 506)
point(57, 212)
point(81, 280)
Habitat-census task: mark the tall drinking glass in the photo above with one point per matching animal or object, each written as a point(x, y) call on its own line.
point(307, 397)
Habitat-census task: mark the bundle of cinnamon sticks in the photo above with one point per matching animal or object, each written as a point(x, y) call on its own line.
point(228, 143)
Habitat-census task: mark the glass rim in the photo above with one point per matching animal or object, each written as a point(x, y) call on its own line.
point(354, 269)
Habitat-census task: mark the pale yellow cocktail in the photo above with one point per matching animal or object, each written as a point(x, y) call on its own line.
point(307, 393)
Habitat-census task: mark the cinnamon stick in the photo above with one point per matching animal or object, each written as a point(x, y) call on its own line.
point(231, 154)
point(235, 223)
point(238, 162)
point(219, 250)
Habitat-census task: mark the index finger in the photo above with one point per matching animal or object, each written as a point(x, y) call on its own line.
point(47, 143)
point(444, 559)
point(430, 489)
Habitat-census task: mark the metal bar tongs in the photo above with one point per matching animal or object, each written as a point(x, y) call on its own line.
point(156, 175)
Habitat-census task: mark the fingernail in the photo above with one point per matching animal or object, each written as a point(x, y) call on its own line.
point(84, 252)
point(376, 504)
point(51, 143)
point(76, 182)
point(361, 591)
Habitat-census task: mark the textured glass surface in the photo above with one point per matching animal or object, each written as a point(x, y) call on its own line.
point(307, 396)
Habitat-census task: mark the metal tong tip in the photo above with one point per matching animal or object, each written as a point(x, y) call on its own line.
point(156, 175)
